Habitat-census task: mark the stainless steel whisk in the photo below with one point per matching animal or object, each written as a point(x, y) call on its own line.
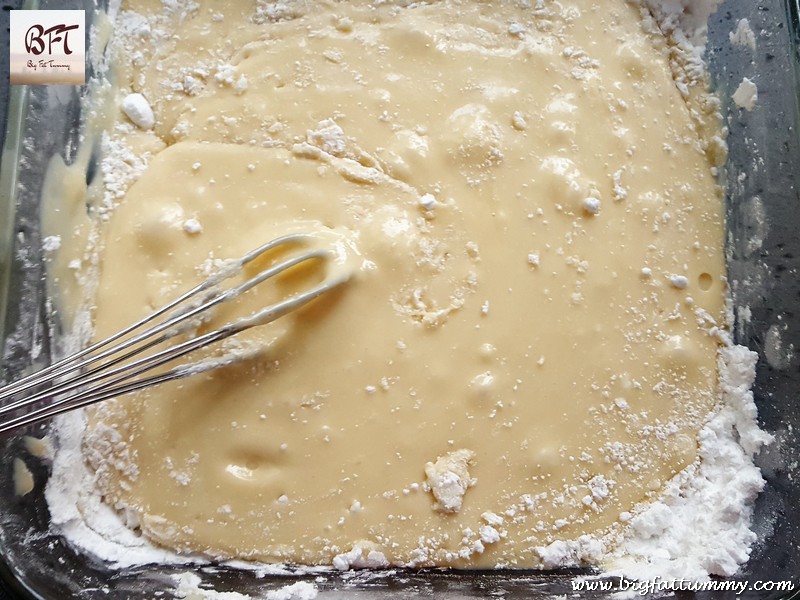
point(108, 368)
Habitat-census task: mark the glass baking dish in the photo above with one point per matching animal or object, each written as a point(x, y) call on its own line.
point(762, 181)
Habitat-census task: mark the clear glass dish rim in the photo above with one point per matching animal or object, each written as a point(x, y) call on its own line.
point(11, 152)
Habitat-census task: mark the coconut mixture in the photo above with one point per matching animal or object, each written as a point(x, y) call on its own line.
point(526, 355)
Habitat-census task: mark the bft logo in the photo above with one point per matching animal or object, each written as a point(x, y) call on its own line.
point(48, 46)
point(35, 40)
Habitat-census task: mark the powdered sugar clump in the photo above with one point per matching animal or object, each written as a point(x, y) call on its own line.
point(329, 137)
point(743, 35)
point(302, 590)
point(586, 550)
point(192, 226)
point(188, 586)
point(138, 110)
point(363, 555)
point(51, 243)
point(448, 479)
point(746, 95)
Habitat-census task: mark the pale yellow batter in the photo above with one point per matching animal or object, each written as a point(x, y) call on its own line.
point(520, 356)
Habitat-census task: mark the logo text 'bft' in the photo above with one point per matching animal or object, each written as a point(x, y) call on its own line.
point(34, 42)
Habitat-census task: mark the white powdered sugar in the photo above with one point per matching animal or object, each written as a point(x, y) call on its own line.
point(188, 586)
point(743, 35)
point(363, 555)
point(586, 550)
point(700, 526)
point(329, 137)
point(79, 513)
point(302, 590)
point(120, 166)
point(684, 23)
point(192, 226)
point(51, 243)
point(746, 95)
point(138, 110)
point(448, 479)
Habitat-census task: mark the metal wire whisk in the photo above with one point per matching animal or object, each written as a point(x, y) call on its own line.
point(109, 368)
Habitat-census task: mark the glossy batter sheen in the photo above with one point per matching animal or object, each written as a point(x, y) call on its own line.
point(521, 355)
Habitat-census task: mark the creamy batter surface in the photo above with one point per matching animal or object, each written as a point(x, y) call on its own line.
point(524, 351)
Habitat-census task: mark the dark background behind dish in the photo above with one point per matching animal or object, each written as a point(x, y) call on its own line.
point(764, 145)
point(5, 7)
point(4, 89)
